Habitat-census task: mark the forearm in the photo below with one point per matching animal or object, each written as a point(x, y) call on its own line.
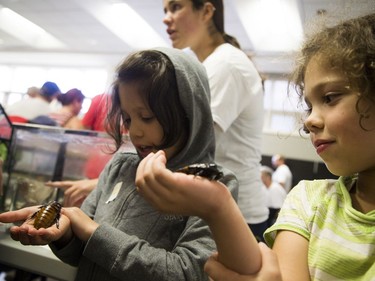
point(237, 247)
point(70, 253)
point(123, 254)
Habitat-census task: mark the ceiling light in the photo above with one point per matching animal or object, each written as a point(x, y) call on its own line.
point(272, 25)
point(128, 25)
point(26, 31)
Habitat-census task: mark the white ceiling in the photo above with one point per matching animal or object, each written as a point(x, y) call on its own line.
point(71, 22)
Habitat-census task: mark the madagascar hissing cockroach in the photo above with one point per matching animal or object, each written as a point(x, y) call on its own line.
point(47, 215)
point(206, 170)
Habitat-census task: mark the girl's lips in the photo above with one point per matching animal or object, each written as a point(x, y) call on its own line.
point(143, 151)
point(322, 145)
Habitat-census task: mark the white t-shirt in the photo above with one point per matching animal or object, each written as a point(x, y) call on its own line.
point(283, 175)
point(29, 108)
point(237, 109)
point(276, 195)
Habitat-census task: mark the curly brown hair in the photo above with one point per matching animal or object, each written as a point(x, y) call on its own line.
point(348, 46)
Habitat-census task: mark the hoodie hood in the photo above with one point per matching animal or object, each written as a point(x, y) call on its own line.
point(194, 93)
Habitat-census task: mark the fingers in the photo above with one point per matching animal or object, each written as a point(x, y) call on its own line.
point(74, 200)
point(73, 213)
point(268, 256)
point(60, 184)
point(82, 225)
point(19, 215)
point(75, 192)
point(270, 261)
point(73, 196)
point(28, 235)
point(219, 272)
point(149, 170)
point(151, 164)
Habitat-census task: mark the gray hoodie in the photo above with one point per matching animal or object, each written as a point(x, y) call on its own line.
point(134, 241)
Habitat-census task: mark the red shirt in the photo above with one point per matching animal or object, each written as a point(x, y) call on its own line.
point(95, 116)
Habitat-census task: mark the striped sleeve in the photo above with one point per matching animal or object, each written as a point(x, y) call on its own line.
point(341, 239)
point(296, 214)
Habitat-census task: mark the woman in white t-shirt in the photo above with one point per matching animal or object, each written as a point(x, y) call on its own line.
point(236, 97)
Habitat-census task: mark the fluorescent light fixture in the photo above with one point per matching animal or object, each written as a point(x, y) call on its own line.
point(272, 25)
point(128, 25)
point(26, 31)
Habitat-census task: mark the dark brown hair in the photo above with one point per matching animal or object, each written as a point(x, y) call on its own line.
point(70, 96)
point(218, 19)
point(155, 75)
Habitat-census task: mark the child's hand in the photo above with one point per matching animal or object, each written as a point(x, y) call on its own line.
point(179, 193)
point(270, 270)
point(81, 224)
point(27, 234)
point(75, 192)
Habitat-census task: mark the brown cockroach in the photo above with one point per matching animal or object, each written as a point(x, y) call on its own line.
point(206, 170)
point(47, 215)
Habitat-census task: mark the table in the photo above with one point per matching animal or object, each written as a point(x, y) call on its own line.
point(35, 259)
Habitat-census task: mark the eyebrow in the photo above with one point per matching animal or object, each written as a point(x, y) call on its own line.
point(340, 82)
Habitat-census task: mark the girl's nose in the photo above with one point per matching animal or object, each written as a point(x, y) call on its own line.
point(314, 121)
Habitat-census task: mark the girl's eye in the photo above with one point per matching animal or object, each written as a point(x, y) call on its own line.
point(147, 119)
point(329, 98)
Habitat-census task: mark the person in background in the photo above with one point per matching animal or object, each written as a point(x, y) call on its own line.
point(94, 119)
point(30, 108)
point(282, 173)
point(325, 229)
point(162, 98)
point(71, 103)
point(275, 194)
point(33, 92)
point(236, 97)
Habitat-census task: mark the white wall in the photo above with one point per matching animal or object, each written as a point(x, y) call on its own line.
point(291, 146)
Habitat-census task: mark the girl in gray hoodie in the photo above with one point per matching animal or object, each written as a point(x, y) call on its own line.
point(162, 98)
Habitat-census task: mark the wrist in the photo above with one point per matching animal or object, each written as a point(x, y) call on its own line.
point(219, 205)
point(65, 239)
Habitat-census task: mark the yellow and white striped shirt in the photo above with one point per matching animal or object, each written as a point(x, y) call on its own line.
point(341, 239)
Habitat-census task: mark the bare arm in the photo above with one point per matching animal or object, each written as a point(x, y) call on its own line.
point(178, 193)
point(270, 270)
point(291, 249)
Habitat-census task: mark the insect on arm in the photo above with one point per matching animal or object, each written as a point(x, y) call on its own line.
point(206, 170)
